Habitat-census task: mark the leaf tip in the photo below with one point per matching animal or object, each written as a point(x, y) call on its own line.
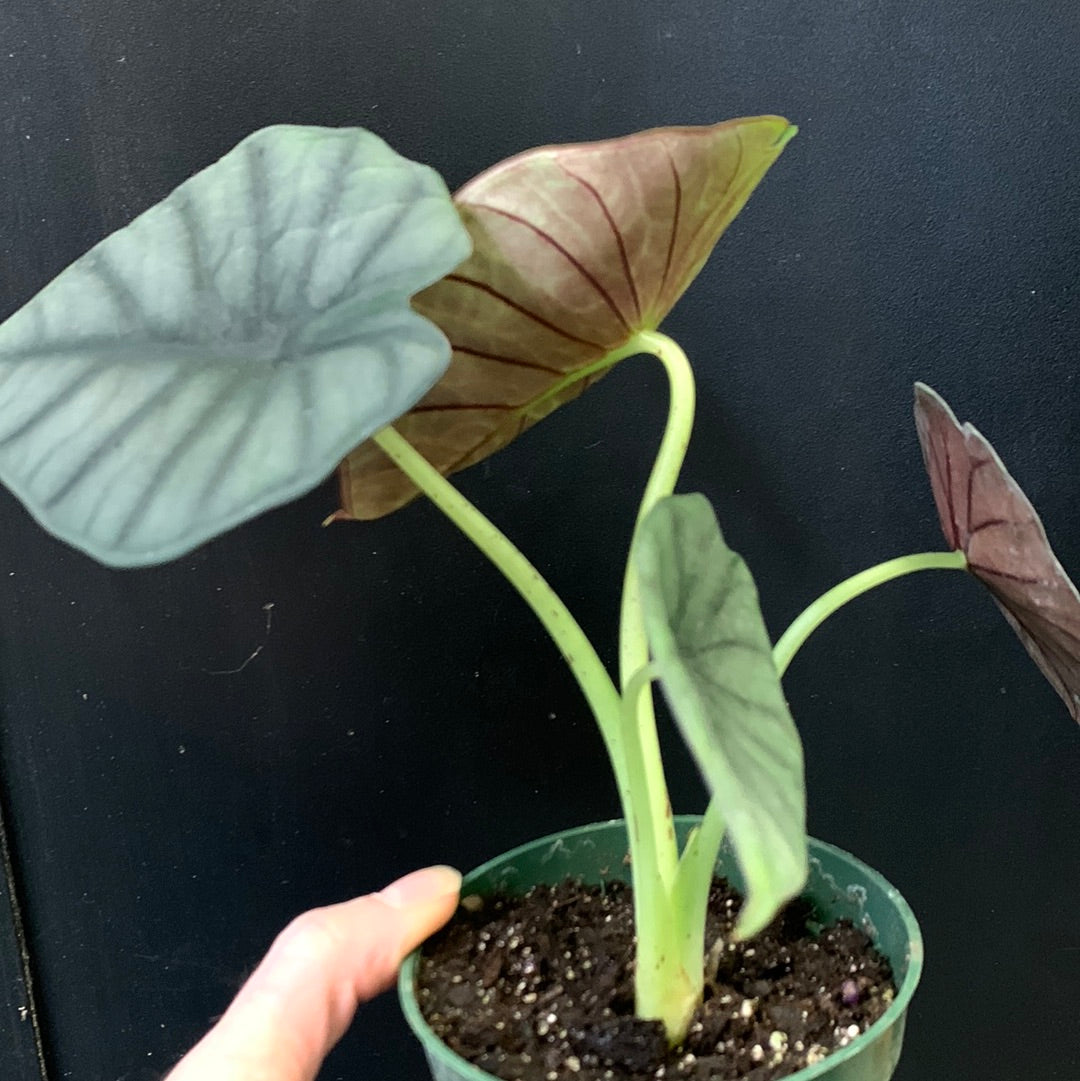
point(928, 404)
point(926, 395)
point(786, 135)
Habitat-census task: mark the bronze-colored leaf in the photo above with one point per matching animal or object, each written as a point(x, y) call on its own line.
point(985, 513)
point(575, 249)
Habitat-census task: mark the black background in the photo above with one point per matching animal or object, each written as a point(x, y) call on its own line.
point(168, 816)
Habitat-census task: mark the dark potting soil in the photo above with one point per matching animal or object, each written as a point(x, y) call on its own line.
point(540, 988)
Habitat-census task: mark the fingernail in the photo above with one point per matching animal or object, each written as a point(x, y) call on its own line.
point(419, 886)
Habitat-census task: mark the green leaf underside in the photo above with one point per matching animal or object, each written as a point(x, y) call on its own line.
point(218, 356)
point(575, 249)
point(712, 653)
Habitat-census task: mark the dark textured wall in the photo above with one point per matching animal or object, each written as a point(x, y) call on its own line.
point(171, 806)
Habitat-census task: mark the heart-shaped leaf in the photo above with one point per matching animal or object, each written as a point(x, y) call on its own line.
point(575, 248)
point(711, 650)
point(220, 354)
point(985, 514)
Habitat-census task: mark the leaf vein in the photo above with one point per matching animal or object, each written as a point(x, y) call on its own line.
point(616, 231)
point(460, 279)
point(576, 263)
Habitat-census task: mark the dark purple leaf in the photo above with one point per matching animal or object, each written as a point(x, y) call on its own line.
point(985, 514)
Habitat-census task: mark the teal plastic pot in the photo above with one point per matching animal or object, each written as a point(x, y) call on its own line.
point(839, 886)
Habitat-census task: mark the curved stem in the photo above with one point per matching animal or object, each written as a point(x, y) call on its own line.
point(792, 639)
point(641, 738)
point(578, 652)
point(633, 647)
point(664, 988)
point(539, 408)
point(815, 614)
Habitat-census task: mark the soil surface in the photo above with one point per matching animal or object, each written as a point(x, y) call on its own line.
point(540, 988)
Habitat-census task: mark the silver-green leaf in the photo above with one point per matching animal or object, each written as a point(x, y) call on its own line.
point(219, 355)
point(712, 653)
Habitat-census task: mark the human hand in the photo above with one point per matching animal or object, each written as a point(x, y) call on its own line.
point(302, 997)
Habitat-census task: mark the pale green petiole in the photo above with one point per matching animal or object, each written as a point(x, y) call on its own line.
point(690, 901)
point(665, 988)
point(578, 652)
point(698, 865)
point(816, 613)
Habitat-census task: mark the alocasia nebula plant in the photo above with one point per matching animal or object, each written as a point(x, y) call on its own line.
point(314, 297)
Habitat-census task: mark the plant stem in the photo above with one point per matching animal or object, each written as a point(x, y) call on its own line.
point(578, 652)
point(663, 989)
point(690, 899)
point(815, 614)
point(538, 407)
point(702, 850)
point(668, 981)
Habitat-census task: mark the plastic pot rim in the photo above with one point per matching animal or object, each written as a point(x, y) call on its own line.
point(896, 1010)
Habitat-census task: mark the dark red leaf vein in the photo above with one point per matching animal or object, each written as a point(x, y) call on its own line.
point(975, 467)
point(500, 359)
point(616, 231)
point(568, 256)
point(677, 186)
point(954, 540)
point(987, 524)
point(981, 568)
point(538, 319)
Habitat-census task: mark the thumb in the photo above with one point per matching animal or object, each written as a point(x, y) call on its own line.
point(302, 997)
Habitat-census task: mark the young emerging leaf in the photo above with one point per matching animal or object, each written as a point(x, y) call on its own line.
point(575, 248)
point(220, 354)
point(985, 514)
point(712, 652)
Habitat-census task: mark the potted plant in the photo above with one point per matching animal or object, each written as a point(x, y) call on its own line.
point(314, 298)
